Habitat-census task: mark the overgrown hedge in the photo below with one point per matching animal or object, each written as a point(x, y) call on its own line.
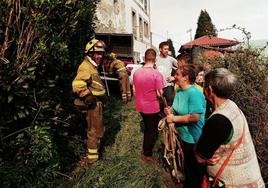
point(41, 132)
point(251, 94)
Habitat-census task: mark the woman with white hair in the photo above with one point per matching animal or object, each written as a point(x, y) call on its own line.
point(226, 137)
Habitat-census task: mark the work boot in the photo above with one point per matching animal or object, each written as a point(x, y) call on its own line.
point(124, 98)
point(86, 162)
point(149, 159)
point(92, 155)
point(129, 96)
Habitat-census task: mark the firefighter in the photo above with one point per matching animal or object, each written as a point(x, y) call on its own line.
point(90, 90)
point(117, 66)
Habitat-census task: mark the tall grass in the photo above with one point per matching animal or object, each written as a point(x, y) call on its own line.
point(120, 164)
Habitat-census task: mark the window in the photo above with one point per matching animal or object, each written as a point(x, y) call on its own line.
point(145, 6)
point(134, 24)
point(146, 29)
point(141, 28)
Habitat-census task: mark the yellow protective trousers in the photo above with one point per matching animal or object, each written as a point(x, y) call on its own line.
point(124, 85)
point(95, 127)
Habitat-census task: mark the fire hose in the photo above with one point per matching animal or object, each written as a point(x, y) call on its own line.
point(173, 153)
point(105, 80)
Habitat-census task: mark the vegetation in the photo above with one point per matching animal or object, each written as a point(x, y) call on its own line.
point(41, 46)
point(42, 134)
point(251, 94)
point(205, 26)
point(120, 165)
point(171, 47)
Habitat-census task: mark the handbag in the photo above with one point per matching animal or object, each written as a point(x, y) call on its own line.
point(209, 181)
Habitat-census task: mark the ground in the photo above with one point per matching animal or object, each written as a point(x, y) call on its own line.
point(120, 164)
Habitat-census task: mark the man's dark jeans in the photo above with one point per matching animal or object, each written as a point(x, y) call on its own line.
point(168, 93)
point(150, 132)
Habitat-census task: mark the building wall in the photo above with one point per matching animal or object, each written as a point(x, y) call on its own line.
point(129, 17)
point(111, 17)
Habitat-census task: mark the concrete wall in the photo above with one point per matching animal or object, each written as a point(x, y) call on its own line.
point(115, 16)
point(111, 17)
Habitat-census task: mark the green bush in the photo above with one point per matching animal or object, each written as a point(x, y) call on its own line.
point(251, 94)
point(41, 132)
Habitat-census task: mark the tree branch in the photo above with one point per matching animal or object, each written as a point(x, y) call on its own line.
point(6, 35)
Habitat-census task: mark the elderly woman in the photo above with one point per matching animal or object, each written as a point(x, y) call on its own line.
point(222, 132)
point(187, 112)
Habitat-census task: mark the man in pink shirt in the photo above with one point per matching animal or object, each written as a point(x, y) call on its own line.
point(147, 87)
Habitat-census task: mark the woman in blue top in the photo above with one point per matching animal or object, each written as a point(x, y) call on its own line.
point(188, 113)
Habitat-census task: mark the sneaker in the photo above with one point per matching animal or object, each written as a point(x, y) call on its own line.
point(149, 159)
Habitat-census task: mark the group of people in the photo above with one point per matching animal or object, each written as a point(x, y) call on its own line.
point(206, 145)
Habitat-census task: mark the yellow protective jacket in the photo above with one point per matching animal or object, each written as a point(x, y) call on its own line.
point(87, 80)
point(117, 65)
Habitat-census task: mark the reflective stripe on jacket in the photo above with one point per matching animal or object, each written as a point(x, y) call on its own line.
point(87, 80)
point(117, 65)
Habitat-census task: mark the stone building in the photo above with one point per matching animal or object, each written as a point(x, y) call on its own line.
point(126, 17)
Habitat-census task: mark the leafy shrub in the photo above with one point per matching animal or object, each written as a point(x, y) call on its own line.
point(41, 132)
point(251, 94)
